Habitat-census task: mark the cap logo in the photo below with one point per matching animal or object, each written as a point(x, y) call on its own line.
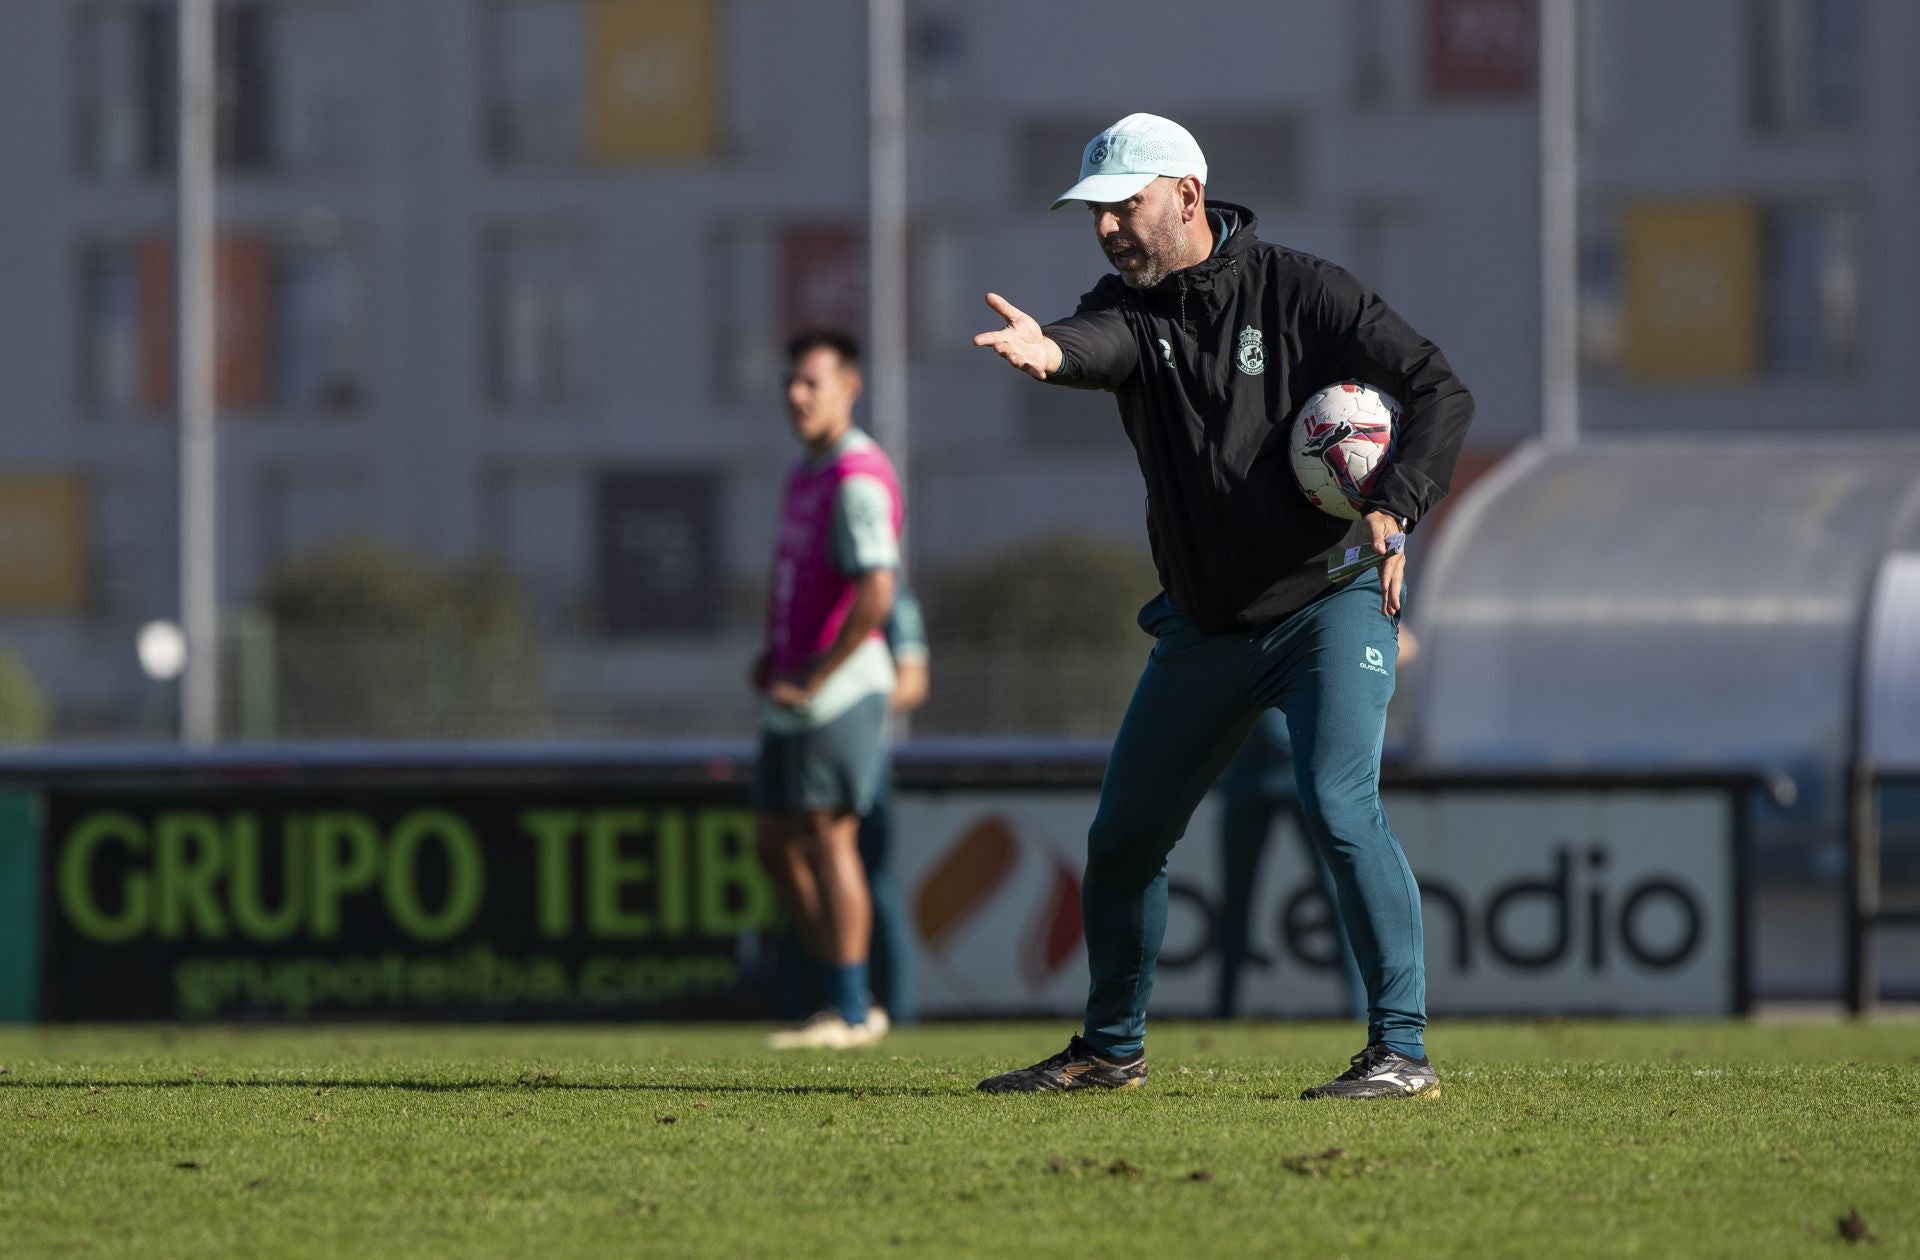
point(1099, 154)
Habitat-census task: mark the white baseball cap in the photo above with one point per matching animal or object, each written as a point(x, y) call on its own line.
point(1131, 154)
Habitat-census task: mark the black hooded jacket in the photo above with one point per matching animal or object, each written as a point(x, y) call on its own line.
point(1209, 367)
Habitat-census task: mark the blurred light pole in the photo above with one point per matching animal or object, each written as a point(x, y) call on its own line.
point(194, 368)
point(887, 228)
point(887, 262)
point(1559, 225)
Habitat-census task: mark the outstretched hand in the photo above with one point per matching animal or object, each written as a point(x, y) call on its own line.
point(1020, 343)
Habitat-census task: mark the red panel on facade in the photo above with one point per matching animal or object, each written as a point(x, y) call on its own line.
point(822, 277)
point(1481, 50)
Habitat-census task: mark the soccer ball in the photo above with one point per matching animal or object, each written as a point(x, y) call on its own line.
point(1341, 441)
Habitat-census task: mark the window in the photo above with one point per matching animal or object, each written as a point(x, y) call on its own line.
point(744, 335)
point(771, 280)
point(658, 547)
point(1384, 59)
point(127, 583)
point(537, 58)
point(537, 522)
point(244, 101)
point(314, 54)
point(284, 98)
point(540, 312)
point(1812, 262)
point(1721, 291)
point(614, 82)
point(110, 349)
point(291, 324)
point(1806, 57)
point(1599, 301)
point(1594, 61)
point(127, 77)
point(318, 326)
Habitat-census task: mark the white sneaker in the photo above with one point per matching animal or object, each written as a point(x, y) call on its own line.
point(878, 1021)
point(825, 1030)
point(814, 1032)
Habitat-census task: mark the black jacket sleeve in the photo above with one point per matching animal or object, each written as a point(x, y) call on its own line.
point(1369, 342)
point(1097, 345)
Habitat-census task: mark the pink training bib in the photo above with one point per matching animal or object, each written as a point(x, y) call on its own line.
point(810, 599)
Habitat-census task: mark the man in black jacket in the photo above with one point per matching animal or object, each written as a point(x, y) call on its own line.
point(1210, 340)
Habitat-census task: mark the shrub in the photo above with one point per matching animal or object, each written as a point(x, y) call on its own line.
point(372, 643)
point(23, 707)
point(1039, 639)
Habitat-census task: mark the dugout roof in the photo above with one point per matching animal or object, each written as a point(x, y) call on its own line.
point(1636, 602)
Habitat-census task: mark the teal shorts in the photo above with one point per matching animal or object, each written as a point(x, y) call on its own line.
point(836, 766)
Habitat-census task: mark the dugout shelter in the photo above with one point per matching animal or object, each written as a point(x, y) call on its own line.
point(1749, 602)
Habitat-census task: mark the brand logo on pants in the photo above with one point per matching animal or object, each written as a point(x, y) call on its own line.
point(1376, 661)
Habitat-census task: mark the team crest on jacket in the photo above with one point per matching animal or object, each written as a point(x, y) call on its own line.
point(1250, 352)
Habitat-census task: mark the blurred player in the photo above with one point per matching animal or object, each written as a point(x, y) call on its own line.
point(802, 982)
point(892, 955)
point(1210, 340)
point(827, 677)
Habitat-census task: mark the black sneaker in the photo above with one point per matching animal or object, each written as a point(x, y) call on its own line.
point(1378, 1072)
point(1076, 1067)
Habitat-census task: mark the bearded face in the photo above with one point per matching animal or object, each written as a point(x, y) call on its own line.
point(1143, 236)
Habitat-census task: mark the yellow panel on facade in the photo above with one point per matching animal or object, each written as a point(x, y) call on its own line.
point(1692, 287)
point(652, 90)
point(43, 543)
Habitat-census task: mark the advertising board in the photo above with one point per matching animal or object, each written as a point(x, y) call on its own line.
point(1551, 900)
point(463, 903)
point(631, 890)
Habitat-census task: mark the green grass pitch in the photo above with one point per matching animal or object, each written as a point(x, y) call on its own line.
point(1553, 1139)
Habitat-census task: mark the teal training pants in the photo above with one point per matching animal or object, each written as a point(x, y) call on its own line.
point(1330, 668)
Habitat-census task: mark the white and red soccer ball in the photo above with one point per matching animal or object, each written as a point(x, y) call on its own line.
point(1342, 437)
